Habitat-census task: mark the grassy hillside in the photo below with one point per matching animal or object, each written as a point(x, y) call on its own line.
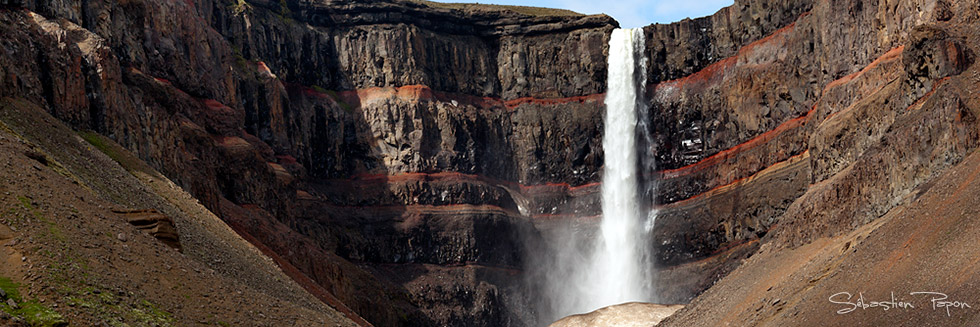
point(67, 256)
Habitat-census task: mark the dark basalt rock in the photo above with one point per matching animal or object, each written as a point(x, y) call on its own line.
point(933, 55)
point(683, 48)
point(340, 45)
point(367, 140)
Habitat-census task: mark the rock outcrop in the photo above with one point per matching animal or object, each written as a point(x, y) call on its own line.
point(811, 121)
point(154, 223)
point(912, 248)
point(632, 314)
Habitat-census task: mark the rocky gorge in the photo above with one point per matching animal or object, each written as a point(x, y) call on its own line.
point(403, 161)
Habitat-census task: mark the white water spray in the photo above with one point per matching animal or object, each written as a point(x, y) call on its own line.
point(588, 269)
point(620, 266)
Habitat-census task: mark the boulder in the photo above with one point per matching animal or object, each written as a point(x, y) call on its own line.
point(633, 314)
point(152, 222)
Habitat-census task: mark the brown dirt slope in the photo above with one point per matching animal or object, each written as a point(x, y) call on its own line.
point(891, 206)
point(925, 245)
point(68, 258)
point(891, 103)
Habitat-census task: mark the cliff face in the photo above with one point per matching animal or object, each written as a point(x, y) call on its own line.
point(808, 132)
point(892, 167)
point(339, 136)
point(400, 158)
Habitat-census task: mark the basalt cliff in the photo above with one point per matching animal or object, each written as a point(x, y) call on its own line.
point(400, 161)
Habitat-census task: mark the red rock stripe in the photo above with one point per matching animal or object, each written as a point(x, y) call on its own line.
point(417, 92)
point(511, 104)
point(854, 104)
point(918, 103)
point(703, 75)
point(450, 209)
point(469, 264)
point(731, 152)
point(777, 33)
point(888, 56)
point(422, 208)
point(454, 176)
point(710, 71)
point(769, 135)
point(736, 182)
point(546, 216)
point(730, 247)
point(458, 209)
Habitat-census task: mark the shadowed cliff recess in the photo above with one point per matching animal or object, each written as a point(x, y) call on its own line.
point(403, 162)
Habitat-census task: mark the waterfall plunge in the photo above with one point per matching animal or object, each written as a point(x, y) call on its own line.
point(587, 269)
point(619, 269)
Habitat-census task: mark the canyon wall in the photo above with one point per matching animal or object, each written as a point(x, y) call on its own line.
point(338, 136)
point(406, 157)
point(806, 133)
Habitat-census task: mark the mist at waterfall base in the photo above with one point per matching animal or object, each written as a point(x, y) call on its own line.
point(585, 265)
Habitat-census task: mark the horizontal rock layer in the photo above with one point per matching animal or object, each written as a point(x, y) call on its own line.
point(849, 131)
point(267, 148)
point(354, 45)
point(359, 140)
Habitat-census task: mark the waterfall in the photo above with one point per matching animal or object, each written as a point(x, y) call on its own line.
point(620, 261)
point(587, 267)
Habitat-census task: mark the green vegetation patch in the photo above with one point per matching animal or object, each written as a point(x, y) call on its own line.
point(118, 311)
point(36, 314)
point(11, 288)
point(72, 281)
point(32, 312)
point(240, 60)
point(146, 313)
point(52, 227)
point(336, 98)
point(239, 7)
point(320, 89)
point(284, 14)
point(116, 152)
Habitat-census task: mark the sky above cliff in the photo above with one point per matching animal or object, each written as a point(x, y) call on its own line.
point(629, 13)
